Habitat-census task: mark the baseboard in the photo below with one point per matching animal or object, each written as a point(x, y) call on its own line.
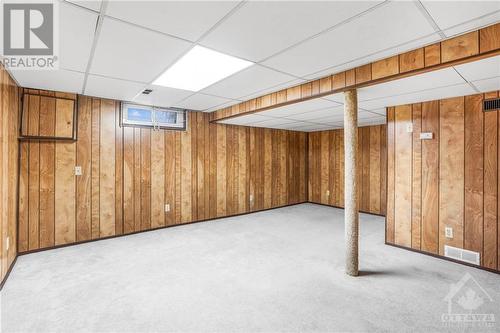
point(444, 258)
point(339, 207)
point(8, 273)
point(153, 229)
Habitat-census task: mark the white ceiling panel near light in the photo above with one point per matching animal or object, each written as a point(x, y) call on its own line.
point(248, 81)
point(128, 52)
point(272, 89)
point(94, 5)
point(479, 70)
point(459, 16)
point(112, 88)
point(76, 34)
point(58, 80)
point(162, 96)
point(388, 26)
point(184, 19)
point(259, 29)
point(201, 102)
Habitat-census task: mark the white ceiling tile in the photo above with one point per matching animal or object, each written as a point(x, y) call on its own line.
point(184, 19)
point(58, 80)
point(272, 122)
point(351, 63)
point(76, 34)
point(338, 110)
point(488, 84)
point(132, 53)
point(199, 102)
point(248, 81)
point(295, 108)
point(434, 79)
point(366, 115)
point(90, 4)
point(381, 111)
point(261, 28)
point(221, 106)
point(333, 119)
point(112, 88)
point(339, 98)
point(313, 128)
point(468, 14)
point(390, 25)
point(481, 69)
point(162, 96)
point(420, 96)
point(244, 120)
point(278, 87)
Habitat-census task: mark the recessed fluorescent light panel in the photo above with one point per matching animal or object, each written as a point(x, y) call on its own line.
point(200, 68)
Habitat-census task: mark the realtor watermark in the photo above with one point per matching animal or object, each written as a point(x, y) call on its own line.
point(466, 301)
point(30, 34)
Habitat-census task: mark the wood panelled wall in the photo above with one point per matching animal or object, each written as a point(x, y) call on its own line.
point(130, 174)
point(326, 168)
point(449, 181)
point(9, 120)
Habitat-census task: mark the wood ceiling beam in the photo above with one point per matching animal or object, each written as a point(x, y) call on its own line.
point(469, 47)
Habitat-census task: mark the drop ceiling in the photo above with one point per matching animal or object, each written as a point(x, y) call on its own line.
point(327, 112)
point(116, 49)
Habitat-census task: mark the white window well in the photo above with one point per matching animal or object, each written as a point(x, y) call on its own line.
point(154, 117)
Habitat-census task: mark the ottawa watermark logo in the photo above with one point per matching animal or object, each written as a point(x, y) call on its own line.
point(30, 34)
point(466, 301)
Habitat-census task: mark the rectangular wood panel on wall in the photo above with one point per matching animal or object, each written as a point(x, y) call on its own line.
point(473, 173)
point(402, 167)
point(451, 171)
point(430, 178)
point(416, 211)
point(9, 157)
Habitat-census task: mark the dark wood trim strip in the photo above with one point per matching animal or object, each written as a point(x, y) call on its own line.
point(444, 258)
point(8, 273)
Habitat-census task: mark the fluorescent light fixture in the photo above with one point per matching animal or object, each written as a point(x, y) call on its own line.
point(199, 68)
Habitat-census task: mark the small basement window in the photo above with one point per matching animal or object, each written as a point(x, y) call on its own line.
point(154, 117)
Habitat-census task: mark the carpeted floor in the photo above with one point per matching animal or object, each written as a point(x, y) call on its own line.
point(278, 270)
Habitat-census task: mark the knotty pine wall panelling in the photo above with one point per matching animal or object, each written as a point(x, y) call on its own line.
point(9, 148)
point(448, 181)
point(326, 168)
point(137, 179)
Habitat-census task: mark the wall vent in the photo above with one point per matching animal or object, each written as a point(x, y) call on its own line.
point(462, 255)
point(491, 104)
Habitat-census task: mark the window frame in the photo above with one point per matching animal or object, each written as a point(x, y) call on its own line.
point(125, 122)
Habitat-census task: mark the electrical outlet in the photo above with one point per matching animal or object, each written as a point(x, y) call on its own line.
point(78, 170)
point(251, 197)
point(426, 136)
point(327, 193)
point(448, 232)
point(7, 244)
point(167, 208)
point(409, 128)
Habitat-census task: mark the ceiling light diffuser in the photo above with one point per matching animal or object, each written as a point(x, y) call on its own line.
point(199, 68)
